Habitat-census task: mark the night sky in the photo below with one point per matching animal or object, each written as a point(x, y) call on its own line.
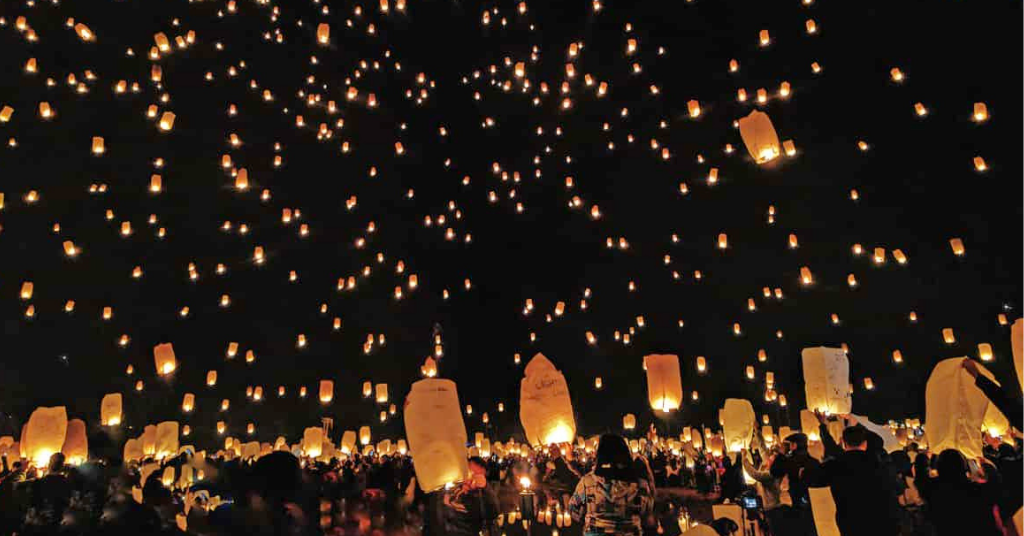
point(917, 188)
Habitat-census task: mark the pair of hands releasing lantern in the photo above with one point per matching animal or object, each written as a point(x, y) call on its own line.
point(436, 433)
point(956, 410)
point(738, 423)
point(545, 408)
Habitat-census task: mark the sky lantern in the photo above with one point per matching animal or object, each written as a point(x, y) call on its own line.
point(738, 424)
point(985, 351)
point(76, 444)
point(5, 114)
point(167, 121)
point(163, 355)
point(980, 114)
point(629, 422)
point(98, 146)
point(948, 336)
point(364, 434)
point(896, 75)
point(545, 407)
point(664, 384)
point(693, 107)
point(211, 378)
point(429, 368)
point(436, 433)
point(43, 435)
point(957, 246)
point(806, 277)
point(764, 38)
point(381, 390)
point(955, 408)
point(110, 409)
point(188, 402)
point(827, 380)
point(323, 34)
point(312, 441)
point(162, 44)
point(759, 137)
point(326, 391)
point(367, 389)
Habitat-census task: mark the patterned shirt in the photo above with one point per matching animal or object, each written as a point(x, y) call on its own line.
point(611, 506)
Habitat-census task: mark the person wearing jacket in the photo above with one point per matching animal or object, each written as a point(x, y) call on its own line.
point(861, 485)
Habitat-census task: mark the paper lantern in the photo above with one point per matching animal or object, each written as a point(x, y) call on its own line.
point(759, 136)
point(738, 423)
point(44, 433)
point(166, 363)
point(326, 392)
point(827, 380)
point(76, 443)
point(312, 441)
point(132, 451)
point(948, 336)
point(1017, 342)
point(764, 38)
point(211, 378)
point(693, 107)
point(629, 421)
point(188, 402)
point(167, 121)
point(27, 289)
point(429, 368)
point(323, 34)
point(364, 435)
point(664, 384)
point(957, 245)
point(994, 423)
point(98, 147)
point(955, 408)
point(6, 113)
point(110, 409)
point(702, 364)
point(381, 390)
point(545, 407)
point(166, 439)
point(436, 433)
point(367, 389)
point(985, 351)
point(980, 112)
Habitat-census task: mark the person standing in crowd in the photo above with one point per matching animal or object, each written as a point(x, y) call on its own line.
point(774, 492)
point(613, 498)
point(954, 503)
point(794, 461)
point(861, 484)
point(559, 477)
point(471, 508)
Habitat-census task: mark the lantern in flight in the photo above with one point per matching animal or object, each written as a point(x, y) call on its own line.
point(759, 136)
point(664, 384)
point(545, 407)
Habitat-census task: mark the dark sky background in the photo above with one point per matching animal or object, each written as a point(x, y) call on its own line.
point(917, 185)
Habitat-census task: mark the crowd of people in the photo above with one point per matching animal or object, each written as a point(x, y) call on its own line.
point(635, 488)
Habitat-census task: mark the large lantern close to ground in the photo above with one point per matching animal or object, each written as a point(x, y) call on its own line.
point(436, 433)
point(545, 409)
point(738, 422)
point(827, 380)
point(44, 434)
point(955, 408)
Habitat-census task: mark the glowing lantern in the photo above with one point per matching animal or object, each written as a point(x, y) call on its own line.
point(948, 336)
point(789, 148)
point(69, 248)
point(436, 433)
point(812, 28)
point(6, 113)
point(211, 378)
point(723, 241)
point(957, 245)
point(364, 435)
point(827, 380)
point(312, 441)
point(110, 409)
point(26, 290)
point(381, 390)
point(76, 444)
point(188, 402)
point(979, 164)
point(166, 439)
point(896, 75)
point(980, 112)
point(545, 407)
point(738, 423)
point(764, 38)
point(161, 42)
point(702, 364)
point(759, 136)
point(167, 121)
point(693, 107)
point(806, 277)
point(323, 33)
point(163, 354)
point(920, 109)
point(897, 357)
point(629, 422)
point(664, 385)
point(429, 368)
point(955, 408)
point(598, 383)
point(156, 183)
point(98, 147)
point(367, 389)
point(326, 391)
